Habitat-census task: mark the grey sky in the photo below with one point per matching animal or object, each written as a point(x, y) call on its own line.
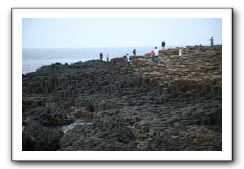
point(80, 33)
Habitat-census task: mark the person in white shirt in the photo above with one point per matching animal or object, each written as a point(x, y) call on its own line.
point(155, 54)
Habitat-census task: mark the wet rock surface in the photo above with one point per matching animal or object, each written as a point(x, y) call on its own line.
point(174, 104)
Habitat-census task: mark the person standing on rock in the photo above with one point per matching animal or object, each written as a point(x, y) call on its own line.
point(128, 58)
point(211, 41)
point(101, 56)
point(163, 45)
point(155, 54)
point(107, 58)
point(134, 52)
point(180, 52)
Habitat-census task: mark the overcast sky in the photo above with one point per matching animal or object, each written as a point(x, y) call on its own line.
point(80, 33)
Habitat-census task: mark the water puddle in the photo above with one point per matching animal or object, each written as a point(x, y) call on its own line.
point(78, 122)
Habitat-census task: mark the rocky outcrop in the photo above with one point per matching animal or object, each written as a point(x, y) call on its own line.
point(39, 138)
point(174, 104)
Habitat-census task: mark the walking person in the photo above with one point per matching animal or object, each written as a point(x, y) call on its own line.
point(128, 58)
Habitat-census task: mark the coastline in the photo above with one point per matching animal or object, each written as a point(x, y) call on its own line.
point(173, 104)
point(37, 57)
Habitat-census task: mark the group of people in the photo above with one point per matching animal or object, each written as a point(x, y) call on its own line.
point(154, 54)
point(101, 57)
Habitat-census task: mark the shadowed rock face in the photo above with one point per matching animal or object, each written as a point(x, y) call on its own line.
point(174, 104)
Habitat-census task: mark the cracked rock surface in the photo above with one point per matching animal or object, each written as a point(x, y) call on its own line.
point(171, 105)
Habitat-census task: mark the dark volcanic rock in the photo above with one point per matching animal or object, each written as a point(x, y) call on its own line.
point(174, 104)
point(38, 138)
point(109, 135)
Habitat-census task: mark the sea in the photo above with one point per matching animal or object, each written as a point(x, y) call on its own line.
point(32, 59)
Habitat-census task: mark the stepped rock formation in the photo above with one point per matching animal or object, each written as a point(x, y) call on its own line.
point(174, 104)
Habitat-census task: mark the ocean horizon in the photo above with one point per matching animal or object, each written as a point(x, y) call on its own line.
point(34, 58)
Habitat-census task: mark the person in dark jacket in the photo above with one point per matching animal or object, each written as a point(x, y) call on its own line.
point(163, 45)
point(101, 56)
point(134, 52)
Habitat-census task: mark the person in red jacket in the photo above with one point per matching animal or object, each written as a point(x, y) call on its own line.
point(153, 55)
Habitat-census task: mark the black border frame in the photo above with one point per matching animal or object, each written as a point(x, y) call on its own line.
point(128, 161)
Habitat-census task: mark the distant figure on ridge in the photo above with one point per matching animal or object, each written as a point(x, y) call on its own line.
point(128, 58)
point(107, 58)
point(134, 52)
point(101, 56)
point(180, 52)
point(163, 45)
point(211, 41)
